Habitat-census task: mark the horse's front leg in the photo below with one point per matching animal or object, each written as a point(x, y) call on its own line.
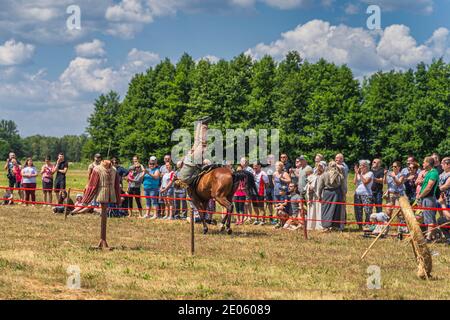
point(228, 217)
point(202, 214)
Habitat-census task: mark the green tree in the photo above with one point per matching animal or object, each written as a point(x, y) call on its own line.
point(102, 126)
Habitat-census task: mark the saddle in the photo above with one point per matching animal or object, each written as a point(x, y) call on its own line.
point(197, 176)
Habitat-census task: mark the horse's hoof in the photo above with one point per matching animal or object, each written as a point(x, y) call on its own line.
point(205, 230)
point(222, 228)
point(229, 231)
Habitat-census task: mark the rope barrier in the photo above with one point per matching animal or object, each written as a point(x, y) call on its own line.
point(274, 217)
point(252, 201)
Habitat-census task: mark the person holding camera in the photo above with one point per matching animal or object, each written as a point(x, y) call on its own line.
point(395, 183)
point(60, 169)
point(363, 193)
point(135, 178)
point(9, 166)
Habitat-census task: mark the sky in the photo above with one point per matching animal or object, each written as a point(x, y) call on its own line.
point(50, 74)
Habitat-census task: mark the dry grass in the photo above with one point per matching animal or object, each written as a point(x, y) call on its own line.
point(152, 261)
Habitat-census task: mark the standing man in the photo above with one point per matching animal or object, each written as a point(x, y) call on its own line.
point(60, 168)
point(339, 159)
point(9, 169)
point(163, 168)
point(121, 171)
point(261, 182)
point(301, 171)
point(287, 163)
point(437, 162)
point(269, 170)
point(317, 160)
point(97, 162)
point(377, 186)
point(427, 194)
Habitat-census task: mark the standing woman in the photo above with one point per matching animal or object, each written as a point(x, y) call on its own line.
point(166, 191)
point(135, 178)
point(312, 195)
point(363, 193)
point(151, 188)
point(17, 171)
point(330, 192)
point(410, 181)
point(281, 180)
point(396, 188)
point(239, 199)
point(29, 174)
point(47, 172)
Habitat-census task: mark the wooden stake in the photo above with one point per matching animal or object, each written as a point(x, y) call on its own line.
point(305, 223)
point(192, 232)
point(66, 209)
point(380, 234)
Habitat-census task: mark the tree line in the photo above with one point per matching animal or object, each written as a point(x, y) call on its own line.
point(318, 108)
point(38, 147)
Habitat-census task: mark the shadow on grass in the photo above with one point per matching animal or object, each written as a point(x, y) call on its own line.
point(254, 234)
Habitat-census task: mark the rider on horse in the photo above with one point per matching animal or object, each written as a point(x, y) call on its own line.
point(192, 162)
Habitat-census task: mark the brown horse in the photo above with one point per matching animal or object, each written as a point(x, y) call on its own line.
point(220, 184)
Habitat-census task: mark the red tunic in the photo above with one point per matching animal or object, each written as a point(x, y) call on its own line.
point(104, 185)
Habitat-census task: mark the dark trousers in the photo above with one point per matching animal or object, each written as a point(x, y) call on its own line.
point(30, 194)
point(239, 204)
point(134, 192)
point(378, 199)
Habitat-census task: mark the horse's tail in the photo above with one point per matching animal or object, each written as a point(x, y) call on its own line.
point(249, 180)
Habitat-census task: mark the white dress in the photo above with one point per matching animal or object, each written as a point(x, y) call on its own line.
point(314, 207)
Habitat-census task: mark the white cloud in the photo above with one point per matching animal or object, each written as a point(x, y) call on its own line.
point(351, 9)
point(91, 49)
point(364, 51)
point(421, 6)
point(67, 101)
point(286, 4)
point(129, 11)
point(13, 53)
point(44, 21)
point(138, 61)
point(210, 58)
point(88, 75)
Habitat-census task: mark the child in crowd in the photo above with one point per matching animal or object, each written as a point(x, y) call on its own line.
point(167, 191)
point(8, 198)
point(239, 200)
point(66, 204)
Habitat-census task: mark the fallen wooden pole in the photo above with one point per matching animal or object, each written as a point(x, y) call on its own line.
point(380, 234)
point(418, 242)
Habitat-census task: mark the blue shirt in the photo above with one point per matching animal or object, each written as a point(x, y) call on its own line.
point(393, 187)
point(149, 181)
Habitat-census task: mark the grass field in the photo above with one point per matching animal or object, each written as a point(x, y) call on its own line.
point(152, 261)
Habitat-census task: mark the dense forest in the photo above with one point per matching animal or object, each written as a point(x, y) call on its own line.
point(318, 108)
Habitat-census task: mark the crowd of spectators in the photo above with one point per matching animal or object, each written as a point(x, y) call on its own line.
point(287, 192)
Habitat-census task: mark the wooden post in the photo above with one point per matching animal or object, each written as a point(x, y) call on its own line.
point(380, 234)
point(104, 218)
point(192, 232)
point(66, 209)
point(305, 223)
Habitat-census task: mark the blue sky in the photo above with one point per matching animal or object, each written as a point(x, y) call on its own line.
point(49, 75)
